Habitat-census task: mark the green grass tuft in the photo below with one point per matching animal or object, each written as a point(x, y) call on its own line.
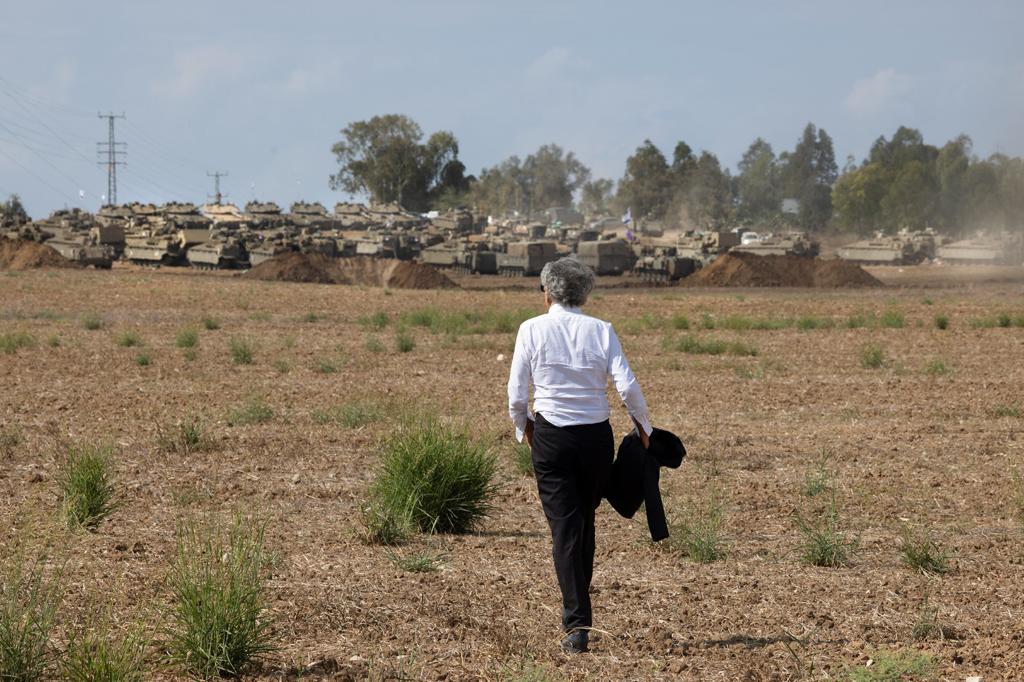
point(376, 322)
point(418, 563)
point(87, 486)
point(822, 543)
point(187, 338)
point(327, 366)
point(699, 535)
point(937, 368)
point(942, 321)
point(93, 656)
point(311, 318)
point(211, 323)
point(696, 346)
point(374, 345)
point(892, 319)
point(129, 339)
point(12, 342)
point(92, 321)
point(818, 479)
point(29, 601)
point(872, 357)
point(254, 411)
point(184, 438)
point(920, 551)
point(404, 343)
point(350, 415)
point(522, 458)
point(383, 525)
point(219, 618)
point(241, 351)
point(143, 359)
point(900, 666)
point(1006, 411)
point(436, 476)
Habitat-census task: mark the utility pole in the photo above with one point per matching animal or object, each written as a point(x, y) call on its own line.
point(111, 148)
point(216, 175)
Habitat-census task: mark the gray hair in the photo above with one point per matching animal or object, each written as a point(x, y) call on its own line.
point(567, 281)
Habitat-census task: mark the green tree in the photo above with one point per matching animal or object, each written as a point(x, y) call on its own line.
point(12, 212)
point(911, 199)
point(646, 187)
point(757, 186)
point(386, 159)
point(807, 175)
point(596, 196)
point(552, 177)
point(707, 194)
point(857, 198)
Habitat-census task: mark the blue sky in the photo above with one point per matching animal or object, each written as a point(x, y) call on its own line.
point(262, 89)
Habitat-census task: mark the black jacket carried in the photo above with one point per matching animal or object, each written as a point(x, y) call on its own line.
point(636, 473)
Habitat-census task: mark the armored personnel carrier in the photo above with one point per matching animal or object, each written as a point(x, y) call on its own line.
point(881, 249)
point(81, 248)
point(154, 249)
point(525, 258)
point(607, 257)
point(454, 222)
point(351, 216)
point(454, 255)
point(786, 244)
point(984, 250)
point(225, 250)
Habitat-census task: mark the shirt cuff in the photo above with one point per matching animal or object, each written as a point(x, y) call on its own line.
point(644, 422)
point(521, 425)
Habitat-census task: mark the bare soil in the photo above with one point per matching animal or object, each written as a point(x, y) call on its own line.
point(751, 270)
point(24, 254)
point(362, 270)
point(908, 447)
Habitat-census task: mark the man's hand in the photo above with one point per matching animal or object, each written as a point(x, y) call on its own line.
point(528, 432)
point(645, 440)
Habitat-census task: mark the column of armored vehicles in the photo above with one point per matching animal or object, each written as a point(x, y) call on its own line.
point(223, 236)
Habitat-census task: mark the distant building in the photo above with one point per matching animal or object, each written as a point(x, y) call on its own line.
point(791, 206)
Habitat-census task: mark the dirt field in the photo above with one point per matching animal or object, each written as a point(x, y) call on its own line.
point(918, 441)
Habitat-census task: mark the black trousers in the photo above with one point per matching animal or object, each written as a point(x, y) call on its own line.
point(572, 464)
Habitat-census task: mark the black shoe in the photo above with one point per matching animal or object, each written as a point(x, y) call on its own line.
point(576, 642)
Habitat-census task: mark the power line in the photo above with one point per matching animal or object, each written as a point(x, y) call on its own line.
point(33, 174)
point(112, 150)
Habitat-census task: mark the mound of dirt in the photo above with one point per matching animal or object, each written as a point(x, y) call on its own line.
point(23, 254)
point(374, 272)
point(751, 270)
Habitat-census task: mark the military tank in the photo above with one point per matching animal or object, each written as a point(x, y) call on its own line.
point(312, 216)
point(525, 259)
point(881, 249)
point(704, 247)
point(264, 215)
point(663, 264)
point(225, 250)
point(606, 257)
point(81, 248)
point(1003, 249)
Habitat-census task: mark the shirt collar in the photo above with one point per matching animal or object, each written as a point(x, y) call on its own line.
point(559, 309)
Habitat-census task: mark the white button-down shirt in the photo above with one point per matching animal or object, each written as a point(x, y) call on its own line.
point(568, 356)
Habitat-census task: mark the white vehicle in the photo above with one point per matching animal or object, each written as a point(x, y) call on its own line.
point(750, 238)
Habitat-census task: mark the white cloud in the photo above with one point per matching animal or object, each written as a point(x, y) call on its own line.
point(876, 93)
point(197, 68)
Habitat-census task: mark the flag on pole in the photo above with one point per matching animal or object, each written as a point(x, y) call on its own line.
point(627, 217)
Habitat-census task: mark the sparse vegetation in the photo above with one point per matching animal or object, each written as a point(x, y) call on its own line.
point(461, 322)
point(374, 345)
point(87, 486)
point(920, 551)
point(220, 621)
point(696, 346)
point(129, 339)
point(822, 542)
point(435, 475)
point(326, 366)
point(350, 415)
point(1018, 495)
point(93, 655)
point(143, 359)
point(29, 600)
point(698, 535)
point(187, 338)
point(53, 341)
point(937, 368)
point(1006, 411)
point(241, 351)
point(12, 342)
point(311, 317)
point(186, 437)
point(856, 322)
point(942, 321)
point(929, 625)
point(10, 438)
point(376, 322)
point(900, 666)
point(404, 343)
point(383, 525)
point(872, 356)
point(892, 319)
point(92, 321)
point(522, 458)
point(211, 323)
point(418, 563)
point(253, 411)
point(818, 479)
point(281, 366)
point(189, 354)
